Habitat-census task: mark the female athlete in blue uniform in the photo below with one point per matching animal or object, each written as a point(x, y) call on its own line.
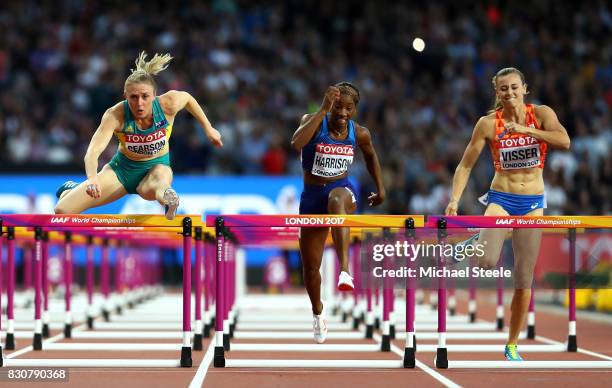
point(327, 140)
point(142, 123)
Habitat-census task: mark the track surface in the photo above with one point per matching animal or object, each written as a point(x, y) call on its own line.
point(592, 337)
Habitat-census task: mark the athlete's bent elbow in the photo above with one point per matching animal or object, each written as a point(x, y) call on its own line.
point(566, 145)
point(296, 145)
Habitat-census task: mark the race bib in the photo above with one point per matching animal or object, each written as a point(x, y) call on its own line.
point(149, 144)
point(520, 152)
point(332, 160)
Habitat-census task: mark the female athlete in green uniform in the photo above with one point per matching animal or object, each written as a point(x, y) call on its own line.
point(142, 124)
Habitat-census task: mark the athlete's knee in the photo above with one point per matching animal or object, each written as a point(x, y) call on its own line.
point(160, 172)
point(335, 204)
point(522, 279)
point(310, 269)
point(486, 262)
point(61, 208)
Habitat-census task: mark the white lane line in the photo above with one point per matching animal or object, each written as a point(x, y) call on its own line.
point(580, 350)
point(198, 379)
point(442, 379)
point(52, 339)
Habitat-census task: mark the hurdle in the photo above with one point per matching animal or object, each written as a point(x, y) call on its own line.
point(98, 225)
point(569, 222)
point(224, 298)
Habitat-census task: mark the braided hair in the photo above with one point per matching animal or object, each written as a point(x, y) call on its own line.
point(350, 90)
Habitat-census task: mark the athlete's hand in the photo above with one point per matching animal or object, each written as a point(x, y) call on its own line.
point(451, 209)
point(92, 187)
point(512, 127)
point(375, 199)
point(214, 137)
point(331, 95)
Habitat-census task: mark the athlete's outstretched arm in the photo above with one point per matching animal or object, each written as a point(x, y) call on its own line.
point(364, 140)
point(554, 133)
point(174, 101)
point(462, 173)
point(310, 123)
point(111, 120)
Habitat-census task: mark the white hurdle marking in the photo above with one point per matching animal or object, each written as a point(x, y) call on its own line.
point(492, 348)
point(119, 346)
point(352, 364)
point(294, 335)
point(531, 364)
point(291, 326)
point(88, 363)
point(450, 326)
point(242, 319)
point(306, 347)
point(459, 335)
point(178, 326)
point(127, 334)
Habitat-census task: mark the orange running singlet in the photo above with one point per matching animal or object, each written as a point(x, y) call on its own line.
point(517, 150)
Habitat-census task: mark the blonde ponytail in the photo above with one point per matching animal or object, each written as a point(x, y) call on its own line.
point(145, 71)
point(157, 64)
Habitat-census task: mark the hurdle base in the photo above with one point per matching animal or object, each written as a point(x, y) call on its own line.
point(231, 330)
point(442, 358)
point(186, 361)
point(197, 342)
point(9, 342)
point(68, 330)
point(37, 342)
point(472, 317)
point(385, 344)
point(369, 334)
point(531, 332)
point(206, 331)
point(500, 324)
point(355, 323)
point(1, 357)
point(90, 323)
point(392, 331)
point(45, 330)
point(572, 343)
point(219, 357)
point(212, 322)
point(106, 315)
point(226, 341)
point(409, 358)
point(377, 323)
point(130, 305)
point(344, 317)
point(119, 310)
point(452, 311)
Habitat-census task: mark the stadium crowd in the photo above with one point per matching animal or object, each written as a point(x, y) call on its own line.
point(258, 66)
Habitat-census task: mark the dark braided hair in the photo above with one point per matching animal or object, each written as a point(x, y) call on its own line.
point(349, 89)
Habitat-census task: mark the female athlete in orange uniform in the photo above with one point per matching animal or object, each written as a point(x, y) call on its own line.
point(518, 135)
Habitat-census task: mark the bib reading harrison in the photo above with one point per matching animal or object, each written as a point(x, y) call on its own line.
point(327, 140)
